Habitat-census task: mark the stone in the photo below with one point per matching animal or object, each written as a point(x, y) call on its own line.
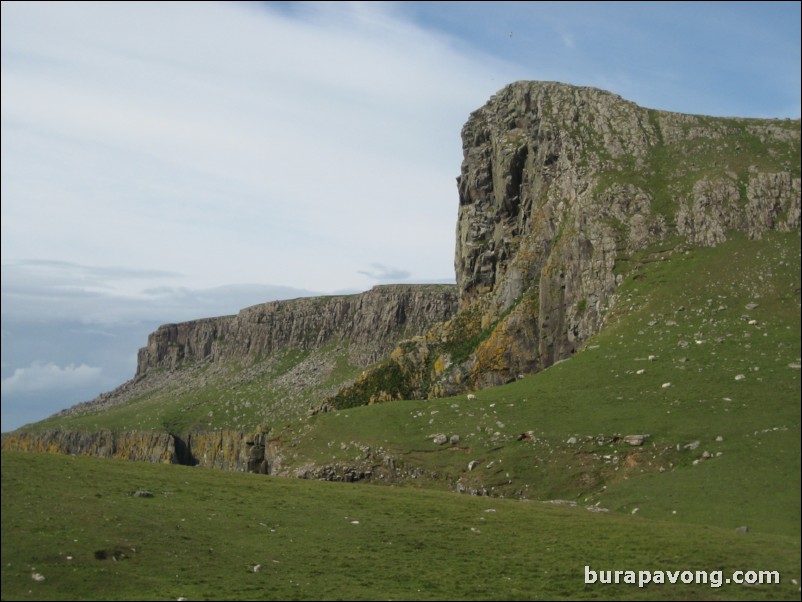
point(571, 441)
point(454, 439)
point(142, 494)
point(666, 385)
point(740, 377)
point(692, 445)
point(635, 440)
point(473, 464)
point(743, 529)
point(38, 577)
point(440, 439)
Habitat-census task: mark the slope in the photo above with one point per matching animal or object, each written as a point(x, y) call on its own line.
point(702, 354)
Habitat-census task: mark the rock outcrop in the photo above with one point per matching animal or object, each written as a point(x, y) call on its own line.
point(369, 325)
point(557, 185)
point(225, 449)
point(372, 322)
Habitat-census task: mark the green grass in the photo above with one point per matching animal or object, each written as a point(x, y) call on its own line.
point(225, 395)
point(700, 296)
point(731, 148)
point(202, 533)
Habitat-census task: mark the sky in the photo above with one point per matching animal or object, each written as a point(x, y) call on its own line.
point(169, 161)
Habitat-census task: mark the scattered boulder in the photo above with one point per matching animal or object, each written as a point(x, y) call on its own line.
point(142, 493)
point(719, 439)
point(692, 445)
point(571, 441)
point(666, 385)
point(440, 439)
point(740, 377)
point(454, 439)
point(635, 440)
point(38, 577)
point(471, 396)
point(743, 529)
point(473, 464)
point(751, 306)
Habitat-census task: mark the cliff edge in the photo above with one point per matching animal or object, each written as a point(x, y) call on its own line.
point(562, 192)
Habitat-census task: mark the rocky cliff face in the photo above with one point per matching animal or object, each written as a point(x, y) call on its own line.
point(224, 449)
point(372, 323)
point(367, 325)
point(558, 186)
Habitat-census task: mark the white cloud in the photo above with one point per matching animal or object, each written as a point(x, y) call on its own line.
point(385, 273)
point(57, 291)
point(224, 141)
point(40, 377)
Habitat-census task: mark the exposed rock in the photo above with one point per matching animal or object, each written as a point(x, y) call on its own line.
point(556, 183)
point(635, 440)
point(439, 439)
point(743, 529)
point(371, 323)
point(454, 439)
point(224, 449)
point(473, 464)
point(692, 445)
point(142, 494)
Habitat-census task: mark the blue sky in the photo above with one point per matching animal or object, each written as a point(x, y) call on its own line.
point(162, 162)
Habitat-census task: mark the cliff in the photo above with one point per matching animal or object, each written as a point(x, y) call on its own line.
point(562, 191)
point(225, 449)
point(372, 322)
point(321, 335)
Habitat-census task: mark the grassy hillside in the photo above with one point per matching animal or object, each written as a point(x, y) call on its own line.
point(204, 533)
point(230, 394)
point(722, 328)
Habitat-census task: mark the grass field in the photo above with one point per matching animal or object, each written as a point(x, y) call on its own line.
point(73, 521)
